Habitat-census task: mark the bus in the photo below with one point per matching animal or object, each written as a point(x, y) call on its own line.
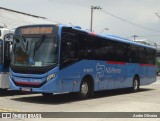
point(158, 62)
point(5, 49)
point(53, 59)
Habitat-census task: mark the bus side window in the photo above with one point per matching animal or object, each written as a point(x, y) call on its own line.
point(69, 50)
point(150, 56)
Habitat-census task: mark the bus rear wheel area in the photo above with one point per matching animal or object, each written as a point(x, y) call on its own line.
point(85, 88)
point(136, 84)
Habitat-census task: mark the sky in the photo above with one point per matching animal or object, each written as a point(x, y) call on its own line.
point(121, 17)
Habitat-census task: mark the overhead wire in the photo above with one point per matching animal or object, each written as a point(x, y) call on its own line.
point(122, 19)
point(144, 36)
point(129, 22)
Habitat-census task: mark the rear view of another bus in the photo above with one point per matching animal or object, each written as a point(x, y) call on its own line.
point(158, 62)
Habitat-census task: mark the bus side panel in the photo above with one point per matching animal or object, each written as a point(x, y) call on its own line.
point(147, 74)
point(120, 76)
point(135, 69)
point(150, 76)
point(71, 76)
point(104, 75)
point(130, 73)
point(114, 75)
point(4, 78)
point(143, 74)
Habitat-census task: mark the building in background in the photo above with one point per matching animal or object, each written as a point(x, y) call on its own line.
point(12, 19)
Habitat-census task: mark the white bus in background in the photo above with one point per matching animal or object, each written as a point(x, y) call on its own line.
point(5, 49)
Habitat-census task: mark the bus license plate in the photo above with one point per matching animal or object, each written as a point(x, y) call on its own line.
point(25, 89)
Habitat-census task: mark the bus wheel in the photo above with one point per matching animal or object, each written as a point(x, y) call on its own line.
point(47, 94)
point(85, 89)
point(135, 86)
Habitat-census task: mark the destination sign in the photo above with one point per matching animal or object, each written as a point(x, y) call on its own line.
point(36, 30)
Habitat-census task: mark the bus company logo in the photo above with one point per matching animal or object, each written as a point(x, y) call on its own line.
point(21, 115)
point(6, 115)
point(102, 69)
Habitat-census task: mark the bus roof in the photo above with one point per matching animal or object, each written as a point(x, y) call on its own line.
point(116, 38)
point(105, 36)
point(124, 40)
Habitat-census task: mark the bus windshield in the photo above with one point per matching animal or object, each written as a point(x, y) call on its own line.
point(36, 51)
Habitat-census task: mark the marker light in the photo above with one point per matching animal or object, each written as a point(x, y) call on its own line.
point(93, 33)
point(51, 76)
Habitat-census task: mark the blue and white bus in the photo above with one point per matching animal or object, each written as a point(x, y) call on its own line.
point(52, 59)
point(5, 48)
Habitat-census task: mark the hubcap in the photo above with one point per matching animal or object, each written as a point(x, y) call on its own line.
point(84, 88)
point(135, 84)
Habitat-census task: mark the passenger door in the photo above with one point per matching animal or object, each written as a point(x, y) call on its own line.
point(69, 56)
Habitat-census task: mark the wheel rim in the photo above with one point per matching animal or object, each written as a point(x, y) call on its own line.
point(84, 88)
point(135, 84)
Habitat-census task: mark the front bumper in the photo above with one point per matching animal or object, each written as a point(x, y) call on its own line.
point(49, 87)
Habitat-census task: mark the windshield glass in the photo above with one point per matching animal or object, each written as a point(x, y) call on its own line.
point(34, 51)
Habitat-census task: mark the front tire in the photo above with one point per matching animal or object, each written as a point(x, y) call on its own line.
point(85, 89)
point(136, 84)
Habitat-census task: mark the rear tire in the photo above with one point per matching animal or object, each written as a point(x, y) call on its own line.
point(136, 84)
point(85, 89)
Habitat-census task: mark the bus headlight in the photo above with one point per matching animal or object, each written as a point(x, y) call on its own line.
point(51, 76)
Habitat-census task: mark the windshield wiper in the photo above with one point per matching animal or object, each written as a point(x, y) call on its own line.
point(39, 42)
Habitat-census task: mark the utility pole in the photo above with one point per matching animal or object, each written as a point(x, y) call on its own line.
point(134, 37)
point(92, 8)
